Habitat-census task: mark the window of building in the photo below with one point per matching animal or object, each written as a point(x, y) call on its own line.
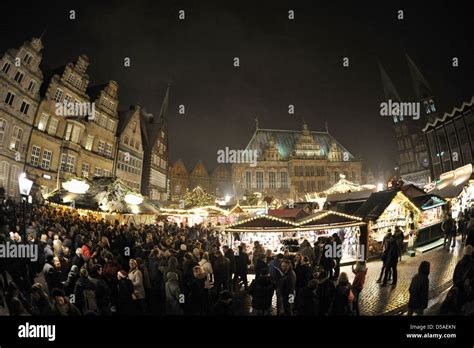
point(284, 180)
point(272, 180)
point(9, 98)
point(19, 76)
point(444, 151)
point(3, 128)
point(4, 171)
point(27, 58)
point(67, 99)
point(14, 174)
point(53, 126)
point(46, 162)
point(97, 171)
point(43, 122)
point(101, 147)
point(35, 155)
point(106, 172)
point(89, 142)
point(31, 86)
point(110, 125)
point(70, 79)
point(17, 135)
point(6, 67)
point(73, 132)
point(85, 169)
point(103, 121)
point(58, 95)
point(68, 163)
point(259, 177)
point(126, 140)
point(464, 141)
point(108, 150)
point(25, 106)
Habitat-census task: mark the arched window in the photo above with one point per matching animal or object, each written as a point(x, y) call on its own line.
point(427, 107)
point(4, 169)
point(3, 128)
point(432, 105)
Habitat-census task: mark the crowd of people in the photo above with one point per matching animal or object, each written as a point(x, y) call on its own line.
point(89, 266)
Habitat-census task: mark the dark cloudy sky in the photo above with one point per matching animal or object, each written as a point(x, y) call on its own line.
point(283, 62)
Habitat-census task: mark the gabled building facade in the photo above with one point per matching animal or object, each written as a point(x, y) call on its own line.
point(130, 154)
point(155, 178)
point(20, 81)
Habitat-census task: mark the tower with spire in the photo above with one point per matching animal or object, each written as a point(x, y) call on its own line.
point(412, 154)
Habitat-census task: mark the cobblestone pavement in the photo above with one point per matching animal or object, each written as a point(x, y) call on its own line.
point(378, 300)
point(383, 300)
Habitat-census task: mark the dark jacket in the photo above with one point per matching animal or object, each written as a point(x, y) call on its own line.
point(287, 284)
point(125, 305)
point(262, 290)
point(463, 270)
point(306, 304)
point(419, 288)
point(324, 296)
point(392, 253)
point(341, 304)
point(303, 275)
point(242, 263)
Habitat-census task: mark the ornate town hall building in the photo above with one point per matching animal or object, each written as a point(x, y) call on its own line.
point(291, 163)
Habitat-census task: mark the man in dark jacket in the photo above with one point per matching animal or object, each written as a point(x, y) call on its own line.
point(449, 228)
point(392, 261)
point(262, 290)
point(223, 306)
point(463, 268)
point(324, 294)
point(419, 290)
point(287, 287)
point(306, 304)
point(241, 267)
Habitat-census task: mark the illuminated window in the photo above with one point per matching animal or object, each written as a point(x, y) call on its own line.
point(35, 155)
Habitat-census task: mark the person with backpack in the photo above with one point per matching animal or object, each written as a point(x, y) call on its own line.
point(419, 290)
point(261, 289)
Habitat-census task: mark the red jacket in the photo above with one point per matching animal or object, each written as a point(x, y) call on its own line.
point(359, 279)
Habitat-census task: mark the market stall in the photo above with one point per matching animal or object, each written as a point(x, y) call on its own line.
point(385, 211)
point(274, 232)
point(430, 218)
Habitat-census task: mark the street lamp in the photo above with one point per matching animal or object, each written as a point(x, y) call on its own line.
point(25, 188)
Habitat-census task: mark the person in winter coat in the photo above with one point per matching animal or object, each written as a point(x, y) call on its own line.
point(287, 287)
point(242, 262)
point(449, 228)
point(398, 235)
point(391, 263)
point(102, 292)
point(451, 305)
point(85, 293)
point(40, 305)
point(136, 276)
point(71, 280)
point(385, 243)
point(229, 254)
point(62, 305)
point(419, 290)
point(207, 267)
point(223, 306)
point(360, 271)
point(173, 295)
point(124, 304)
point(306, 304)
point(198, 293)
point(325, 290)
point(343, 297)
point(262, 290)
point(463, 268)
point(221, 272)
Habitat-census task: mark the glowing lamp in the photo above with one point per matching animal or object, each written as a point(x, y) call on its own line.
point(76, 186)
point(25, 184)
point(134, 199)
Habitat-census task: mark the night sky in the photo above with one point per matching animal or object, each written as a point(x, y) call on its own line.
point(282, 62)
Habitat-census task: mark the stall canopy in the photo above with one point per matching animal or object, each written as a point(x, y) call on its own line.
point(319, 220)
point(451, 184)
point(428, 201)
point(106, 194)
point(376, 204)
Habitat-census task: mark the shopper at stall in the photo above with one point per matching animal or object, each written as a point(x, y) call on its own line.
point(262, 290)
point(385, 243)
point(242, 262)
point(462, 226)
point(287, 287)
point(391, 262)
point(449, 228)
point(337, 241)
point(398, 235)
point(360, 271)
point(419, 290)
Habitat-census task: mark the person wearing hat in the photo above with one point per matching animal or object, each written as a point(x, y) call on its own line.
point(124, 304)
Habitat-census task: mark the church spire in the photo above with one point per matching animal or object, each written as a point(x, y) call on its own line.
point(164, 106)
point(420, 85)
point(390, 92)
